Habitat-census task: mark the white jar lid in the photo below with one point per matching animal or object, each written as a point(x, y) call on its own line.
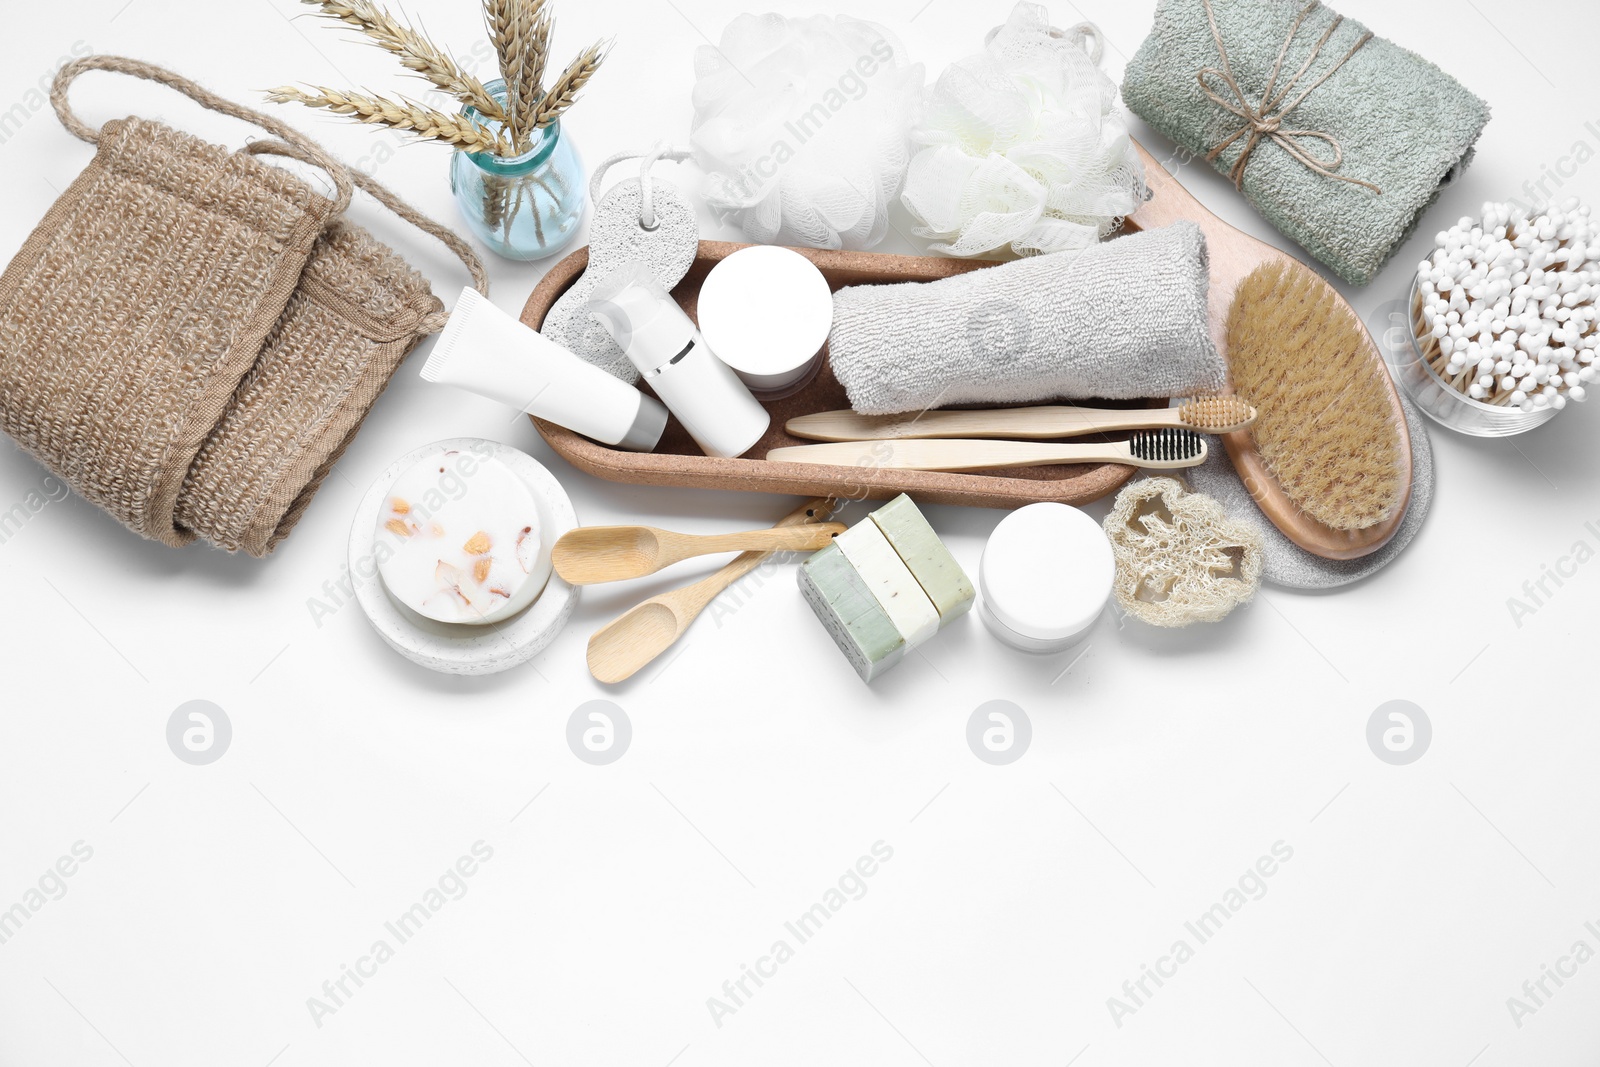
point(766, 312)
point(1047, 571)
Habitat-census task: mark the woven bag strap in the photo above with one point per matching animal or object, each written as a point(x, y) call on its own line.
point(381, 193)
point(312, 152)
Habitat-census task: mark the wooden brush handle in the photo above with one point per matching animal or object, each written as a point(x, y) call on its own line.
point(1232, 253)
point(1033, 423)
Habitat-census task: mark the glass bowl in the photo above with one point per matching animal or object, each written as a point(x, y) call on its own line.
point(1442, 402)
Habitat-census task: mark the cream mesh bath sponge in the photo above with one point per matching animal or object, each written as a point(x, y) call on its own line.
point(1180, 558)
point(801, 126)
point(1024, 146)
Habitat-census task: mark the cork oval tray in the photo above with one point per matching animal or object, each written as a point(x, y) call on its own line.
point(678, 461)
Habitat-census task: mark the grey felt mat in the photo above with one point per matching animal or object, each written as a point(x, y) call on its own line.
point(1288, 565)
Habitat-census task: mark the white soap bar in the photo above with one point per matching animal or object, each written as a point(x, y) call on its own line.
point(462, 537)
point(891, 581)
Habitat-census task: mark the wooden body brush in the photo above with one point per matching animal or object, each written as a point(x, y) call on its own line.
point(1328, 459)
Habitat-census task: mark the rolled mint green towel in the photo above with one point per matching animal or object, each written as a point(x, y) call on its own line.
point(1120, 320)
point(1402, 124)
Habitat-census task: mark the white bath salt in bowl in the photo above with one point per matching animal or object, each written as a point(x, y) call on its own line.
point(465, 540)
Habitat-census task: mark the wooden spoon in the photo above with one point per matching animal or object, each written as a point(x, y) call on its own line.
point(1233, 256)
point(621, 648)
point(592, 554)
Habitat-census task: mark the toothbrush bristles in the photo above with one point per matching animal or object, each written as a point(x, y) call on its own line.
point(1217, 414)
point(1168, 446)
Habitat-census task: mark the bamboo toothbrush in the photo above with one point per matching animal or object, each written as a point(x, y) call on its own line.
point(1211, 414)
point(1329, 458)
point(1167, 449)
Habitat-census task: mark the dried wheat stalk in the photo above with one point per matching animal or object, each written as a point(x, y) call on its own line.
point(497, 14)
point(509, 28)
point(416, 52)
point(564, 93)
point(539, 49)
point(521, 32)
point(525, 92)
point(401, 114)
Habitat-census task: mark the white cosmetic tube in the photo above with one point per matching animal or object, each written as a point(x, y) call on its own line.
point(486, 351)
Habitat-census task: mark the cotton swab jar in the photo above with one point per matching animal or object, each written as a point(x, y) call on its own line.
point(1504, 320)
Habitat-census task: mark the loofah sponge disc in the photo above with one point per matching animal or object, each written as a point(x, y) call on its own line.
point(1180, 559)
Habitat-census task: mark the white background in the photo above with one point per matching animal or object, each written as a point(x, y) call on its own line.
point(1019, 898)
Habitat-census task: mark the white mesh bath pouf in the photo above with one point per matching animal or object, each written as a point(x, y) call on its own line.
point(801, 127)
point(1024, 145)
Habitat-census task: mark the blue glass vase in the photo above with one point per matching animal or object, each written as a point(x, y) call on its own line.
point(526, 206)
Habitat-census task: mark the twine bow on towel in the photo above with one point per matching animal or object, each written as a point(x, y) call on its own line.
point(1264, 121)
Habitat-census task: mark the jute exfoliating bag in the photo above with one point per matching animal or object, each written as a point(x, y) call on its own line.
point(191, 337)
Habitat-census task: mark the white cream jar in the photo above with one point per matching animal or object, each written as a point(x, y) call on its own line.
point(1045, 576)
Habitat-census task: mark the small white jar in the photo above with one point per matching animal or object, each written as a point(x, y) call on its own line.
point(1045, 577)
point(766, 312)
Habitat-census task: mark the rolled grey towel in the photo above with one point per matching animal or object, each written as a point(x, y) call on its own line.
point(1120, 321)
point(1397, 121)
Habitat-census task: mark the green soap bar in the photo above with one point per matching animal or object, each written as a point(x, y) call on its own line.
point(942, 578)
point(852, 615)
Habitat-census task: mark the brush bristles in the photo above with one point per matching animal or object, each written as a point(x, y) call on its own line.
point(1167, 445)
point(1326, 426)
point(1217, 414)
